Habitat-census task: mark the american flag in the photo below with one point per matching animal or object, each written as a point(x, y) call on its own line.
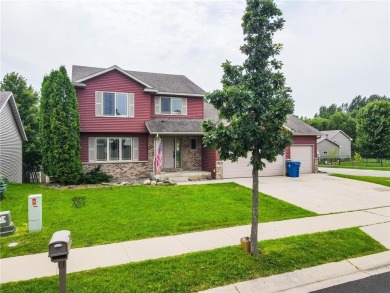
point(159, 154)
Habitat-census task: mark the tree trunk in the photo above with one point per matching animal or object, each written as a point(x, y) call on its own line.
point(255, 205)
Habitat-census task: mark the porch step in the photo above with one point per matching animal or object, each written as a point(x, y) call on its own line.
point(183, 176)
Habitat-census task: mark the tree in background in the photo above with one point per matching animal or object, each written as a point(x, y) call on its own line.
point(254, 100)
point(60, 127)
point(373, 130)
point(27, 101)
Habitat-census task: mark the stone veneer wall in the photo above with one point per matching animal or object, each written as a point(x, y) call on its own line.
point(191, 159)
point(219, 170)
point(315, 165)
point(121, 170)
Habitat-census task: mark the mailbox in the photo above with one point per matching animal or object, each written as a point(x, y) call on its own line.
point(59, 246)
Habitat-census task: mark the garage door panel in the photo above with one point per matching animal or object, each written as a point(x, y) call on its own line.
point(303, 154)
point(242, 168)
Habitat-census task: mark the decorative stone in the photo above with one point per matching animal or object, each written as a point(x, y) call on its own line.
point(7, 227)
point(153, 183)
point(147, 182)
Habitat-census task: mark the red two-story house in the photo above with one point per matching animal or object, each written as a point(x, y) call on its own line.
point(123, 112)
point(131, 120)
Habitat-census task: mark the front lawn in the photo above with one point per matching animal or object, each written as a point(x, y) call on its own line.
point(114, 214)
point(378, 180)
point(203, 270)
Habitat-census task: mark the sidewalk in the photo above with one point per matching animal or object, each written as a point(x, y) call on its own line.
point(375, 222)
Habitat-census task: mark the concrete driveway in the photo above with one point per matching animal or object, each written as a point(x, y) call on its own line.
point(357, 172)
point(322, 193)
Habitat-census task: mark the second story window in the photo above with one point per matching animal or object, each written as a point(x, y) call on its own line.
point(111, 104)
point(170, 106)
point(114, 104)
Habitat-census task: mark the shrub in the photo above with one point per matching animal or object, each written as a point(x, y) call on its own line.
point(95, 176)
point(3, 187)
point(357, 157)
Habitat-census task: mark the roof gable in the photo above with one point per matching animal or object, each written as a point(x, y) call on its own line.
point(7, 97)
point(158, 83)
point(332, 133)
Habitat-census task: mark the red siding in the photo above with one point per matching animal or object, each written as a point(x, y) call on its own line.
point(142, 144)
point(194, 109)
point(113, 81)
point(209, 160)
point(309, 140)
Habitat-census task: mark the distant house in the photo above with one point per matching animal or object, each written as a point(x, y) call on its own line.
point(12, 136)
point(334, 139)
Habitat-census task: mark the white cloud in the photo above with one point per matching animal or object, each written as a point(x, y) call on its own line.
point(333, 51)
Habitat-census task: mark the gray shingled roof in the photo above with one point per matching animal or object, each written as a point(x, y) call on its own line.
point(174, 125)
point(298, 127)
point(161, 82)
point(322, 138)
point(5, 97)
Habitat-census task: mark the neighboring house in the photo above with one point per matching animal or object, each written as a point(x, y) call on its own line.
point(338, 138)
point(124, 115)
point(12, 136)
point(326, 147)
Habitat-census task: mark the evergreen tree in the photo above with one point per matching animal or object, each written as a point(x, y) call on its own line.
point(254, 100)
point(60, 127)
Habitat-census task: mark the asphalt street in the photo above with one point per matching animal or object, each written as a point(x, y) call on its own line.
point(374, 284)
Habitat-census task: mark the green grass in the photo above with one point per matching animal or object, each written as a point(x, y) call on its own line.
point(378, 180)
point(203, 270)
point(371, 164)
point(115, 214)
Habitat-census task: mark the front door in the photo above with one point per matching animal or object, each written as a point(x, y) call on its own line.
point(171, 153)
point(168, 153)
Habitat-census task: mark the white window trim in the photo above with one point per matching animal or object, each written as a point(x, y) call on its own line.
point(92, 155)
point(115, 98)
point(158, 106)
point(99, 104)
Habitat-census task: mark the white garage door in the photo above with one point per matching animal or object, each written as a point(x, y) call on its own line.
point(303, 154)
point(242, 168)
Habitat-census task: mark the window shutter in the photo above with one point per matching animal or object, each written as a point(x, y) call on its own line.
point(91, 149)
point(157, 105)
point(135, 149)
point(98, 103)
point(130, 102)
point(183, 106)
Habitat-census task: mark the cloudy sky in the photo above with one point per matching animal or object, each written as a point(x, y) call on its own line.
point(333, 50)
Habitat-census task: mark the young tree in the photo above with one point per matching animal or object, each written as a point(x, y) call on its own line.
point(60, 127)
point(27, 101)
point(254, 100)
point(373, 130)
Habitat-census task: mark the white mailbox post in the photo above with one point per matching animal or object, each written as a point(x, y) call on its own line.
point(35, 212)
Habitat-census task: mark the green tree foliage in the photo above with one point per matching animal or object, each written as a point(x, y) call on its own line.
point(359, 102)
point(27, 101)
point(326, 112)
point(318, 123)
point(254, 100)
point(373, 130)
point(60, 127)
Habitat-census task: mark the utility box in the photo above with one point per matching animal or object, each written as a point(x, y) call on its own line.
point(7, 227)
point(35, 212)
